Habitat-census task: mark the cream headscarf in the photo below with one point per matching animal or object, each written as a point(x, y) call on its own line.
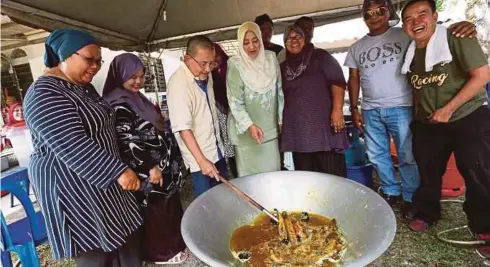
point(259, 74)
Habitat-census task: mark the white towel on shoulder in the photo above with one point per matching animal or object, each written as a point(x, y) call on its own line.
point(437, 51)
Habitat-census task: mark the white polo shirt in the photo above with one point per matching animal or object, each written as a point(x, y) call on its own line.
point(189, 109)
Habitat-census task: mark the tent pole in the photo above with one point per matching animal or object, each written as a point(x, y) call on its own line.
point(153, 73)
point(161, 11)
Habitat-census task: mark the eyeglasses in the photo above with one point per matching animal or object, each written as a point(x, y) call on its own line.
point(91, 60)
point(294, 38)
point(380, 11)
point(212, 64)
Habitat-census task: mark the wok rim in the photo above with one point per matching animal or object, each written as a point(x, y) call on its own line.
point(383, 246)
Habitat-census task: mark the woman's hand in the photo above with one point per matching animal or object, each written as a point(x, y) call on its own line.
point(129, 180)
point(156, 176)
point(256, 133)
point(337, 120)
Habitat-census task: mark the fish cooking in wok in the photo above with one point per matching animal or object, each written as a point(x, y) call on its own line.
point(298, 239)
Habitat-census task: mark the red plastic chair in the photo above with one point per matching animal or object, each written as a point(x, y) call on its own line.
point(452, 181)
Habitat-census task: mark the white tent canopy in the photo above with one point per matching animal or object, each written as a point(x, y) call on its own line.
point(152, 24)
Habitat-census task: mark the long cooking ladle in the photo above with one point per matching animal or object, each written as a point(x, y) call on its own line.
point(247, 198)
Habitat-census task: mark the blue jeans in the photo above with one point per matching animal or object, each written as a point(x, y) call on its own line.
point(202, 183)
point(380, 124)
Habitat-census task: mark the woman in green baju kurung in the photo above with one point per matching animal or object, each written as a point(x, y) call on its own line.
point(256, 103)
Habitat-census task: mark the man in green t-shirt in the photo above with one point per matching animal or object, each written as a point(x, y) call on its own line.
point(451, 116)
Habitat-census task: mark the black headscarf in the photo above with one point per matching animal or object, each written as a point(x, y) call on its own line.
point(296, 64)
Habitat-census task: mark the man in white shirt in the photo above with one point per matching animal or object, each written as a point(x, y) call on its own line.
point(193, 116)
point(375, 63)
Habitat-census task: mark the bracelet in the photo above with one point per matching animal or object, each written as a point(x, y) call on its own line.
point(352, 108)
point(160, 168)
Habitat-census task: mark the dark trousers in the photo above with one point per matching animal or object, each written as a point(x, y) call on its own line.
point(126, 256)
point(161, 237)
point(325, 161)
point(469, 139)
point(233, 168)
point(281, 155)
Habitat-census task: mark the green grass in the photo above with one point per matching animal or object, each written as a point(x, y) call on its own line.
point(424, 249)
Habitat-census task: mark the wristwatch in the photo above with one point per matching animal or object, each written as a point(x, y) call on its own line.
point(352, 108)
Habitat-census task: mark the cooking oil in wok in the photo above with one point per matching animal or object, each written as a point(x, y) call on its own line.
point(299, 239)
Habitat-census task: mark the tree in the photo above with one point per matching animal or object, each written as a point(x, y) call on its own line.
point(477, 12)
point(440, 5)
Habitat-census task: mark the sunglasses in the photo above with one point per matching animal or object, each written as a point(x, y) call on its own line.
point(377, 12)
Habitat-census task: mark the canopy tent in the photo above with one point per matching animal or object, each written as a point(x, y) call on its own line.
point(153, 24)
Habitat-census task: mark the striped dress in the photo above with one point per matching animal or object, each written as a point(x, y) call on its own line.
point(74, 168)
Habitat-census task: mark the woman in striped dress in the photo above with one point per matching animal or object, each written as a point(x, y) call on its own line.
point(80, 182)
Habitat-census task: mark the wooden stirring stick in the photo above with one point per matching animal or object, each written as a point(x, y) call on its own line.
point(248, 198)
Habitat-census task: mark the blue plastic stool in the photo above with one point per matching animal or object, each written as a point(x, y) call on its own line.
point(24, 235)
point(356, 153)
point(26, 250)
point(362, 174)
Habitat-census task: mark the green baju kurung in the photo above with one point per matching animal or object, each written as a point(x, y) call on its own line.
point(262, 109)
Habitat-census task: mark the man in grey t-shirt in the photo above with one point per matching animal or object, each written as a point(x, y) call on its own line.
point(375, 66)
